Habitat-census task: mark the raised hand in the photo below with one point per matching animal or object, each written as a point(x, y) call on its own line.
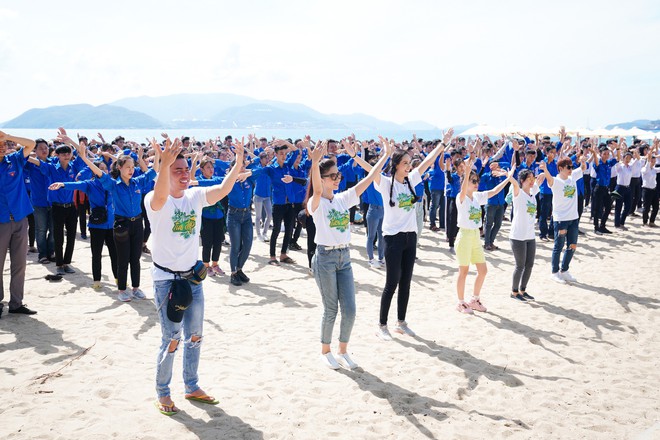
point(169, 155)
point(319, 151)
point(350, 149)
point(239, 149)
point(55, 186)
point(447, 137)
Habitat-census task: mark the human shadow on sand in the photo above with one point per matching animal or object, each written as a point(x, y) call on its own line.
point(220, 426)
point(624, 299)
point(405, 403)
point(271, 295)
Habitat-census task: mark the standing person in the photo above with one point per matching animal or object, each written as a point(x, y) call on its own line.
point(468, 243)
point(173, 211)
point(545, 200)
point(101, 232)
point(650, 187)
point(452, 188)
point(495, 205)
point(14, 208)
point(622, 206)
point(43, 219)
point(374, 219)
point(436, 187)
point(263, 207)
point(332, 263)
point(564, 205)
point(601, 200)
point(399, 230)
point(128, 229)
point(522, 235)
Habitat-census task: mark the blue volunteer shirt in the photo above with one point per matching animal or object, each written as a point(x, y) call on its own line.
point(452, 185)
point(374, 197)
point(56, 173)
point(604, 172)
point(98, 196)
point(128, 198)
point(39, 184)
point(282, 193)
point(14, 200)
point(215, 211)
point(437, 181)
point(552, 169)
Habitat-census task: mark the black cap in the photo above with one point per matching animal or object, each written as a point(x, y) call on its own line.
point(179, 299)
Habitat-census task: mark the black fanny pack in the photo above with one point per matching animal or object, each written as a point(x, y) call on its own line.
point(195, 274)
point(99, 215)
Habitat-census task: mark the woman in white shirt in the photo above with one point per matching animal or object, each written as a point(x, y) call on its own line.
point(332, 262)
point(400, 232)
point(468, 243)
point(522, 235)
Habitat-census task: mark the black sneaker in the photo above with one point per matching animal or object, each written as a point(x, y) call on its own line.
point(604, 230)
point(241, 276)
point(295, 247)
point(235, 280)
point(23, 310)
point(518, 297)
point(528, 297)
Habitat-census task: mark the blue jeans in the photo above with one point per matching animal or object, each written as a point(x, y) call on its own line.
point(239, 226)
point(334, 276)
point(437, 209)
point(375, 228)
point(494, 215)
point(569, 237)
point(545, 215)
point(192, 323)
point(43, 226)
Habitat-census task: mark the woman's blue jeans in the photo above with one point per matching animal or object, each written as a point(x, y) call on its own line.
point(375, 229)
point(239, 226)
point(334, 276)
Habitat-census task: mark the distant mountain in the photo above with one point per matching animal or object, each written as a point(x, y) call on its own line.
point(83, 116)
point(644, 124)
point(266, 116)
point(419, 125)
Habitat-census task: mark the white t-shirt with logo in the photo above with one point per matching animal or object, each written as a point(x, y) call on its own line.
point(402, 216)
point(524, 215)
point(469, 211)
point(175, 231)
point(332, 218)
point(565, 197)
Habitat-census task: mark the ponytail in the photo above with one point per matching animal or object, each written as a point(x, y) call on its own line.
point(391, 191)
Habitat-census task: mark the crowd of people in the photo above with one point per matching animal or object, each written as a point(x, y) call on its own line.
point(180, 191)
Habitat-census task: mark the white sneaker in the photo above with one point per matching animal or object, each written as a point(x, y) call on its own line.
point(557, 278)
point(374, 264)
point(329, 361)
point(124, 296)
point(402, 327)
point(383, 333)
point(260, 237)
point(138, 294)
point(345, 361)
point(568, 277)
point(382, 263)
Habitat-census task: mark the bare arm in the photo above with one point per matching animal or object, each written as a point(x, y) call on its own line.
point(375, 170)
point(162, 187)
point(28, 144)
point(217, 192)
point(440, 148)
point(317, 183)
point(502, 184)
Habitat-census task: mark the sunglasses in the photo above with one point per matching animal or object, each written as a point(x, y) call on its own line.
point(333, 176)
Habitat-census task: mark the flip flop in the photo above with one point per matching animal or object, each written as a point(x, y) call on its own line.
point(159, 406)
point(274, 263)
point(203, 399)
point(287, 260)
point(53, 277)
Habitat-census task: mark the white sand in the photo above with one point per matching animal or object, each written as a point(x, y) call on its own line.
point(581, 362)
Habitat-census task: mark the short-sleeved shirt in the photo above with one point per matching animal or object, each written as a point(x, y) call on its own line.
point(565, 197)
point(332, 218)
point(401, 217)
point(524, 215)
point(469, 211)
point(14, 200)
point(175, 231)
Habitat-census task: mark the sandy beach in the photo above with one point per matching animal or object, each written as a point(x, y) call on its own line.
point(582, 362)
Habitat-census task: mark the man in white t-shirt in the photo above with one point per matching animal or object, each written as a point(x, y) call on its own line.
point(174, 211)
point(565, 214)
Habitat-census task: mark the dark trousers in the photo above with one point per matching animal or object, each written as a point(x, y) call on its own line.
point(311, 235)
point(282, 213)
point(128, 241)
point(400, 252)
point(82, 209)
point(99, 237)
point(580, 206)
point(452, 220)
point(31, 229)
point(635, 194)
point(587, 189)
point(601, 204)
point(297, 207)
point(650, 204)
point(545, 216)
point(147, 225)
point(64, 218)
point(213, 234)
point(622, 205)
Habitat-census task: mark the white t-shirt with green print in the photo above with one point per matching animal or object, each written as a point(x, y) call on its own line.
point(332, 218)
point(469, 212)
point(524, 215)
point(565, 197)
point(402, 216)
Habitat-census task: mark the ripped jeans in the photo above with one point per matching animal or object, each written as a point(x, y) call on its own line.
point(569, 238)
point(191, 325)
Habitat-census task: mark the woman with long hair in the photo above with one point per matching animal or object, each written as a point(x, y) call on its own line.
point(400, 231)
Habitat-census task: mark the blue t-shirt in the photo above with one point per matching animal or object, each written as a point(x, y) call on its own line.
point(14, 200)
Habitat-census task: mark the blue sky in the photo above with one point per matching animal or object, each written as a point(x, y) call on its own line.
point(576, 63)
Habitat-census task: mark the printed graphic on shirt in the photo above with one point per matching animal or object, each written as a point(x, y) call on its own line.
point(405, 201)
point(569, 191)
point(339, 220)
point(474, 214)
point(531, 209)
point(183, 223)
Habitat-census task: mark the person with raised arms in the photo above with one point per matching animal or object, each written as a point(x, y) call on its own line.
point(400, 231)
point(332, 262)
point(174, 209)
point(468, 243)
